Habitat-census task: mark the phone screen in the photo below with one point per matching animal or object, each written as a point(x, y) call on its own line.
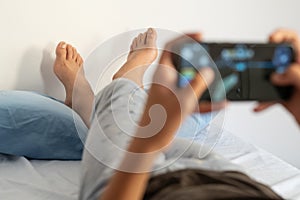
point(243, 70)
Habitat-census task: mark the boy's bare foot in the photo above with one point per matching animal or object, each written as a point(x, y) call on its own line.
point(143, 52)
point(68, 65)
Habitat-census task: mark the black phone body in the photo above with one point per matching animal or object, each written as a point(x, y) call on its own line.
point(242, 70)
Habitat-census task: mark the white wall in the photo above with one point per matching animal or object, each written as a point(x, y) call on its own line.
point(30, 29)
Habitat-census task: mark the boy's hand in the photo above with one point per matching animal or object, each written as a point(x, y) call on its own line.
point(291, 77)
point(168, 105)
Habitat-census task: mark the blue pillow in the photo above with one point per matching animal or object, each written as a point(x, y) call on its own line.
point(39, 127)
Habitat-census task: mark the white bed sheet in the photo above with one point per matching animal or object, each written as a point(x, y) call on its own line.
point(38, 180)
point(53, 180)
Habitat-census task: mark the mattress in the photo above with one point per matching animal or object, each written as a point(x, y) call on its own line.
point(21, 178)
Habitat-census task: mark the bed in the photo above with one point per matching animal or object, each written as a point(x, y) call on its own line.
point(21, 178)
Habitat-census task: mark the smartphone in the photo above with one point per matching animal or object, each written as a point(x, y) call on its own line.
point(242, 70)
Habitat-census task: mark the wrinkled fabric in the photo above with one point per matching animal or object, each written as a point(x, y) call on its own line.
point(39, 127)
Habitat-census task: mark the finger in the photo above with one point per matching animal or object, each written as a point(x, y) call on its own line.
point(205, 107)
point(189, 37)
point(288, 36)
point(290, 77)
point(281, 79)
point(283, 35)
point(186, 37)
point(166, 58)
point(196, 36)
point(263, 106)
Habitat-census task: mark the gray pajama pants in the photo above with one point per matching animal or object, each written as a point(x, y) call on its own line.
point(118, 108)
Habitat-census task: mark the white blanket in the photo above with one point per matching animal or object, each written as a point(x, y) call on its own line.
point(52, 180)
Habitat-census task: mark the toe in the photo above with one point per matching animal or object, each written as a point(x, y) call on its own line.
point(61, 51)
point(69, 52)
point(75, 54)
point(131, 47)
point(151, 37)
point(134, 43)
point(78, 59)
point(144, 36)
point(140, 39)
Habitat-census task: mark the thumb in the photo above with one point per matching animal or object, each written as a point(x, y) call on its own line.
point(290, 77)
point(280, 79)
point(201, 81)
point(263, 106)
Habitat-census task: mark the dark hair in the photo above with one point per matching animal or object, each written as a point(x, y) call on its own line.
point(192, 184)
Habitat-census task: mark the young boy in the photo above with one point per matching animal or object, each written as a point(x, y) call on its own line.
point(126, 147)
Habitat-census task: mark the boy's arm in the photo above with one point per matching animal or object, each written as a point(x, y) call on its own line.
point(165, 109)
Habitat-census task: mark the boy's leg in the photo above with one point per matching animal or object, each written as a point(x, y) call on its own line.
point(118, 108)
